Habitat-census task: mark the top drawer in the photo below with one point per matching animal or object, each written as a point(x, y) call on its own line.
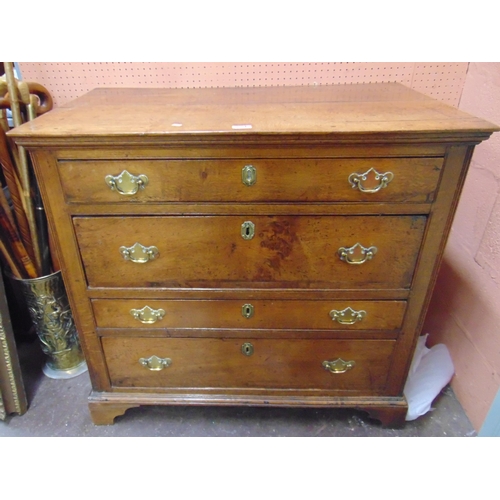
point(394, 180)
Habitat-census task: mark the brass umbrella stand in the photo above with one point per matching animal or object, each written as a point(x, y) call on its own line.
point(24, 238)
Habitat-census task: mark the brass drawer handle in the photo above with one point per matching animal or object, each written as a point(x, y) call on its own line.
point(154, 363)
point(348, 316)
point(139, 253)
point(371, 181)
point(247, 349)
point(247, 230)
point(247, 310)
point(126, 184)
point(356, 254)
point(249, 175)
point(147, 315)
point(338, 365)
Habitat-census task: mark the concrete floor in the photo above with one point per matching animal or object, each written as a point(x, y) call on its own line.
point(58, 408)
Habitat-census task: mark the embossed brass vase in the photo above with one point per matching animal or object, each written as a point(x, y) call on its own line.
point(51, 315)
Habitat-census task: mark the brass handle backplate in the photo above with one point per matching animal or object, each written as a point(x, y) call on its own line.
point(139, 253)
point(371, 181)
point(338, 365)
point(126, 184)
point(154, 363)
point(249, 175)
point(147, 315)
point(247, 230)
point(348, 316)
point(356, 254)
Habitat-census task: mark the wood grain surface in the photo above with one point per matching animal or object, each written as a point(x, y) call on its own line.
point(277, 180)
point(304, 143)
point(286, 252)
point(388, 108)
point(291, 364)
point(267, 314)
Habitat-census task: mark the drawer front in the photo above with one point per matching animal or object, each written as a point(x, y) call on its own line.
point(345, 365)
point(217, 251)
point(221, 180)
point(254, 314)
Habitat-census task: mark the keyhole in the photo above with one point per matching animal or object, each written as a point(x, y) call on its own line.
point(247, 349)
point(247, 310)
point(249, 175)
point(247, 230)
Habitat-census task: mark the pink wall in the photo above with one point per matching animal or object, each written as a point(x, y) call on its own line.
point(465, 309)
point(67, 80)
point(464, 312)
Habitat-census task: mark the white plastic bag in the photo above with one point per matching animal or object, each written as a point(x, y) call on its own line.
point(430, 371)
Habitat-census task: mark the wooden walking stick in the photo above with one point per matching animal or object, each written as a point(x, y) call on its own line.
point(19, 252)
point(31, 102)
point(6, 254)
point(5, 205)
point(13, 184)
point(23, 166)
point(45, 99)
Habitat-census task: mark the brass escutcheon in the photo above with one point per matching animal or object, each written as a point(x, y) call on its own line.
point(247, 310)
point(348, 316)
point(147, 315)
point(247, 230)
point(126, 184)
point(249, 175)
point(247, 349)
point(139, 253)
point(371, 181)
point(356, 254)
point(154, 363)
point(338, 365)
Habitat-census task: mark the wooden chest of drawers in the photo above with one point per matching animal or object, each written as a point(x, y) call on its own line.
point(251, 246)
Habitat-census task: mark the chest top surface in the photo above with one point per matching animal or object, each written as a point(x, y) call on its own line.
point(383, 110)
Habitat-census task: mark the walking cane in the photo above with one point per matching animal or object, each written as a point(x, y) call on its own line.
point(23, 166)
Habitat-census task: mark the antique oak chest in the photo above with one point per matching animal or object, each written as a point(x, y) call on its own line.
point(251, 246)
